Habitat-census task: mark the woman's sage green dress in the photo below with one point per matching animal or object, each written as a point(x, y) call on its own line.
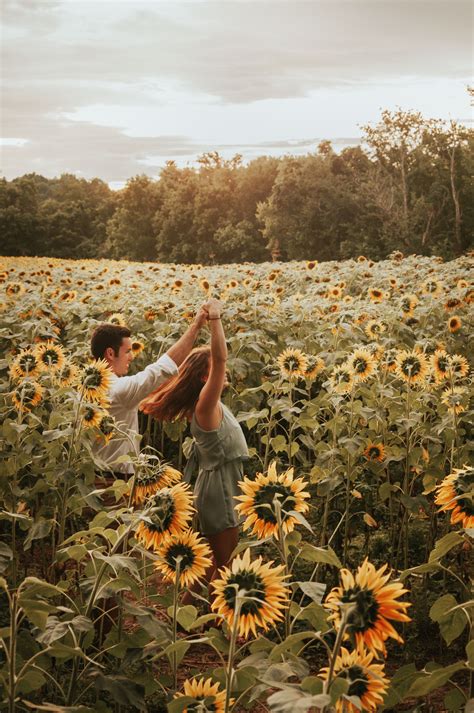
point(218, 457)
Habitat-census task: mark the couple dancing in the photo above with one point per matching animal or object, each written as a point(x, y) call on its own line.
point(183, 383)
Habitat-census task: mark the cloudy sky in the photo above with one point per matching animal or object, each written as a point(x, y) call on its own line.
point(112, 88)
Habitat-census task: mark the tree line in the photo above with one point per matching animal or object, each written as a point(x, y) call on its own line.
point(406, 187)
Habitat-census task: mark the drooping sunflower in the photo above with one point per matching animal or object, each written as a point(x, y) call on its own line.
point(440, 364)
point(454, 324)
point(50, 356)
point(196, 558)
point(94, 381)
point(362, 364)
point(204, 690)
point(390, 360)
point(262, 584)
point(432, 287)
point(458, 366)
point(170, 512)
point(92, 415)
point(25, 364)
point(14, 289)
point(27, 395)
point(375, 452)
point(366, 680)
point(342, 379)
point(292, 363)
point(456, 494)
point(412, 366)
point(148, 481)
point(453, 398)
point(257, 501)
point(375, 605)
point(314, 366)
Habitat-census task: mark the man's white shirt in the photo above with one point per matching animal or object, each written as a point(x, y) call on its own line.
point(125, 393)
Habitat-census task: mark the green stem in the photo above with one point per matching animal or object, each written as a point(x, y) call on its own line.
point(230, 660)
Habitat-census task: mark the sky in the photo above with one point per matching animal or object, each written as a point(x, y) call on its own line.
point(114, 88)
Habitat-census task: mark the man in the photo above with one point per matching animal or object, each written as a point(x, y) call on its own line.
point(114, 344)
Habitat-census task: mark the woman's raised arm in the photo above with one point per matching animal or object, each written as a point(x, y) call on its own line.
point(208, 411)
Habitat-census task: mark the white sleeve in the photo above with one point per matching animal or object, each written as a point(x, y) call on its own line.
point(130, 390)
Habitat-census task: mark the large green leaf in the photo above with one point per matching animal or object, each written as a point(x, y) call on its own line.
point(429, 682)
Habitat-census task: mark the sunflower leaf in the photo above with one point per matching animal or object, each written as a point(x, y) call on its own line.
point(444, 545)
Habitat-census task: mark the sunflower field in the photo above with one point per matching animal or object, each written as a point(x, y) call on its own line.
point(351, 587)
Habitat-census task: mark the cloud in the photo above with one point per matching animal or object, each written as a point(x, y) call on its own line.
point(80, 77)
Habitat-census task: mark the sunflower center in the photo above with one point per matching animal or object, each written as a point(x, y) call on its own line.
point(28, 362)
point(162, 516)
point(186, 553)
point(359, 365)
point(265, 496)
point(291, 363)
point(411, 366)
point(359, 683)
point(27, 393)
point(374, 452)
point(366, 611)
point(253, 586)
point(149, 478)
point(464, 484)
point(89, 413)
point(50, 356)
point(93, 379)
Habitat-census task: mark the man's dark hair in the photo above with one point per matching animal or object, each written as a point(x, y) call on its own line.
point(107, 335)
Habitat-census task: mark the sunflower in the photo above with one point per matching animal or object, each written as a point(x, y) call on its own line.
point(456, 493)
point(366, 680)
point(375, 451)
point(314, 366)
point(362, 364)
point(376, 295)
point(374, 603)
point(208, 696)
point(118, 319)
point(311, 264)
point(92, 415)
point(257, 501)
point(27, 395)
point(454, 324)
point(390, 360)
point(342, 379)
point(67, 375)
point(50, 356)
point(335, 292)
point(439, 362)
point(453, 398)
point(169, 512)
point(431, 287)
point(26, 364)
point(148, 481)
point(205, 285)
point(261, 584)
point(374, 327)
point(137, 348)
point(177, 285)
point(292, 363)
point(408, 304)
point(452, 304)
point(458, 366)
point(412, 366)
point(195, 558)
point(95, 381)
point(14, 289)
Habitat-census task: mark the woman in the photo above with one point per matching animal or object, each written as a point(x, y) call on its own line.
point(219, 444)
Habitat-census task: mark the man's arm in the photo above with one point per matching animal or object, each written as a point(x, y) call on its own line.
point(180, 350)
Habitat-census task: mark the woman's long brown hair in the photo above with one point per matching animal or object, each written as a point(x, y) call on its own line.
point(178, 397)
